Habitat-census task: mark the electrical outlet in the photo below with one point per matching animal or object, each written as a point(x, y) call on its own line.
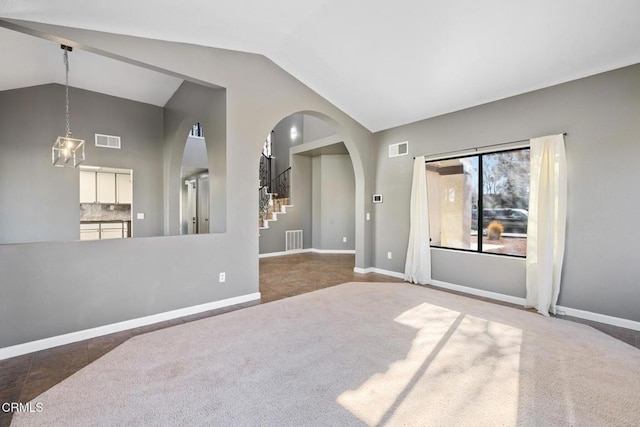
point(344, 240)
point(222, 278)
point(388, 255)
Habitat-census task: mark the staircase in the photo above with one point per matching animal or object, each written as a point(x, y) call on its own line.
point(273, 199)
point(273, 207)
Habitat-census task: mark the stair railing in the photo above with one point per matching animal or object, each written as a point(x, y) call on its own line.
point(264, 200)
point(265, 170)
point(281, 184)
point(273, 195)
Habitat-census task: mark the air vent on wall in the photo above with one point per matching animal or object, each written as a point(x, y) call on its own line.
point(107, 141)
point(293, 240)
point(399, 149)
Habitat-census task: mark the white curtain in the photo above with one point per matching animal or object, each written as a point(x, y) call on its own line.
point(547, 222)
point(417, 268)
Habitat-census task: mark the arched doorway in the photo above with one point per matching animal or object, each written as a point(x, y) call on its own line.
point(194, 176)
point(306, 168)
point(322, 205)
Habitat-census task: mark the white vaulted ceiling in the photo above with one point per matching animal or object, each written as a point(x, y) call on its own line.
point(385, 63)
point(33, 61)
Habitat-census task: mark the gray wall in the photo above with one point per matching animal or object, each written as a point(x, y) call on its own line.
point(195, 154)
point(315, 129)
point(139, 277)
point(600, 114)
point(309, 129)
point(281, 141)
point(333, 202)
point(109, 281)
point(39, 202)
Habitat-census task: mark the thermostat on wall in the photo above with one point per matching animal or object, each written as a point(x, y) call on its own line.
point(377, 198)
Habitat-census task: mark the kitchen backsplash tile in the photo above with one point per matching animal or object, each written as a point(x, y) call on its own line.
point(99, 212)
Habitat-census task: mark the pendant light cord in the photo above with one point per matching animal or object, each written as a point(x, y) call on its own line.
point(66, 63)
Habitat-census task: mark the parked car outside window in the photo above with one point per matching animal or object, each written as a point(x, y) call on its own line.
point(514, 220)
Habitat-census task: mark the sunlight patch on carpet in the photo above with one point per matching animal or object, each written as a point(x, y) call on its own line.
point(477, 358)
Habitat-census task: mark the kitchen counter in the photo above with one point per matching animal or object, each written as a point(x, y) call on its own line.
point(105, 221)
point(105, 229)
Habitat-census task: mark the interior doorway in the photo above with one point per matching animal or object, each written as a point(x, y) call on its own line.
point(319, 182)
point(202, 201)
point(195, 210)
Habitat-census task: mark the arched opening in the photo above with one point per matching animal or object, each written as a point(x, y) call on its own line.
point(190, 105)
point(194, 177)
point(309, 152)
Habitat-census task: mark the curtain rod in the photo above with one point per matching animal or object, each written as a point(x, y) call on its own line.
point(479, 148)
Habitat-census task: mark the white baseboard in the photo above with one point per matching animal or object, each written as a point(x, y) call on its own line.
point(445, 285)
point(301, 251)
point(582, 314)
point(386, 272)
point(478, 292)
point(272, 254)
point(333, 251)
point(45, 343)
point(601, 318)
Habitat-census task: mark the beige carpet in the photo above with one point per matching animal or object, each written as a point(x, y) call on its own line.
point(357, 354)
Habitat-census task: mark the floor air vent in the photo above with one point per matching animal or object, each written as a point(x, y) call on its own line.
point(293, 240)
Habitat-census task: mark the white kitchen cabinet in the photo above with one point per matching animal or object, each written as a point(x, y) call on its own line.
point(89, 231)
point(124, 190)
point(106, 184)
point(87, 187)
point(104, 230)
point(111, 231)
point(105, 187)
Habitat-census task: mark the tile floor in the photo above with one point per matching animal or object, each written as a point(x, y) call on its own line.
point(25, 377)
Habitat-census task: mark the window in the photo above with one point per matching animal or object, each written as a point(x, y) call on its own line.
point(266, 148)
point(196, 130)
point(493, 220)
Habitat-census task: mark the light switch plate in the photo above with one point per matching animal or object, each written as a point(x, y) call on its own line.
point(140, 215)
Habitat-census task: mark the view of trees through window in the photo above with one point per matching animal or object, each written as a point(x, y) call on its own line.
point(493, 220)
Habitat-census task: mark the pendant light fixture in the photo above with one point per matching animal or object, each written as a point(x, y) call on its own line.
point(67, 151)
